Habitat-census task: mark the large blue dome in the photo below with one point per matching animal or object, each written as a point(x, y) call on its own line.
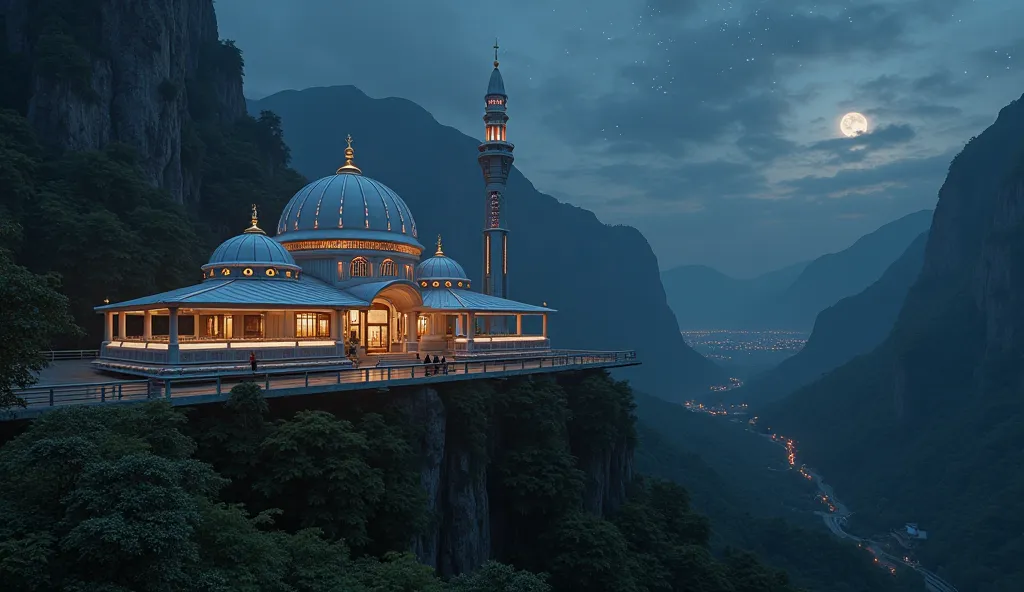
point(347, 205)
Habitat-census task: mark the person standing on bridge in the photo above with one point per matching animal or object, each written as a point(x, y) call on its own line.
point(252, 361)
point(427, 364)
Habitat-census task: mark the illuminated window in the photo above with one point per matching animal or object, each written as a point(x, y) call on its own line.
point(421, 325)
point(247, 271)
point(436, 284)
point(225, 271)
point(252, 326)
point(388, 268)
point(271, 272)
point(424, 284)
point(460, 284)
point(341, 270)
point(312, 324)
point(288, 274)
point(408, 272)
point(359, 267)
point(447, 284)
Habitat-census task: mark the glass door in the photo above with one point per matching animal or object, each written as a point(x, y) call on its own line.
point(377, 338)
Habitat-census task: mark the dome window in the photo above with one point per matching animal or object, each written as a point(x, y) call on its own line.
point(447, 284)
point(359, 267)
point(436, 284)
point(424, 284)
point(288, 273)
point(225, 271)
point(271, 272)
point(388, 268)
point(247, 271)
point(460, 284)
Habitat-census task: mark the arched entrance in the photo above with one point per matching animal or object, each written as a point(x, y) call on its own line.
point(378, 328)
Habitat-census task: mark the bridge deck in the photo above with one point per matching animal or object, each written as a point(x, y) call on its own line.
point(211, 389)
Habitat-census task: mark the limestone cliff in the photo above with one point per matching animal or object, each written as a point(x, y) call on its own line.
point(465, 521)
point(104, 71)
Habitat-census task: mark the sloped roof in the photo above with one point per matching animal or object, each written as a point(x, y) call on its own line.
point(465, 300)
point(270, 293)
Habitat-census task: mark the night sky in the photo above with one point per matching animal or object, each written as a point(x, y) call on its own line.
point(713, 127)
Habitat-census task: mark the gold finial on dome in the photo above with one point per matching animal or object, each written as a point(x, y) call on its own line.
point(349, 166)
point(254, 229)
point(439, 252)
point(495, 52)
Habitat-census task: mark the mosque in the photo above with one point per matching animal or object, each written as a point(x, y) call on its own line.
point(342, 281)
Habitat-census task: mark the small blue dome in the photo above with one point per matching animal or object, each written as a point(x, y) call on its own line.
point(251, 248)
point(440, 271)
point(496, 86)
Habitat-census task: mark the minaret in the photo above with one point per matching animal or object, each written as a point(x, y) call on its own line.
point(496, 161)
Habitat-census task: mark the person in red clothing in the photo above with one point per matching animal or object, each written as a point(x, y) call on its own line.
point(252, 361)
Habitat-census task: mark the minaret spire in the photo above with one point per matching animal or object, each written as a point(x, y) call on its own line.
point(495, 160)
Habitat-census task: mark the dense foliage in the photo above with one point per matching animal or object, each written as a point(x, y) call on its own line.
point(34, 313)
point(242, 498)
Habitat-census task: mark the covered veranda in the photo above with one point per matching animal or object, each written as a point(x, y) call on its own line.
point(466, 324)
point(222, 322)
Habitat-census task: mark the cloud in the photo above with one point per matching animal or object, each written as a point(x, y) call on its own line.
point(857, 148)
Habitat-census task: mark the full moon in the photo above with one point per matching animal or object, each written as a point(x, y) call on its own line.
point(853, 124)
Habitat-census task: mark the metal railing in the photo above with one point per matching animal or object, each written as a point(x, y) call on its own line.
point(70, 354)
point(293, 382)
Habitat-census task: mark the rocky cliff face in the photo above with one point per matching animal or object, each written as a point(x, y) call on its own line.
point(122, 77)
point(459, 495)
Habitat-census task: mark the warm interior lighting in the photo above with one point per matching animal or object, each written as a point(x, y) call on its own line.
point(209, 345)
point(353, 317)
point(354, 245)
point(421, 325)
point(316, 343)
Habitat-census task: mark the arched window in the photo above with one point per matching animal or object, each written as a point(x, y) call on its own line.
point(359, 267)
point(388, 268)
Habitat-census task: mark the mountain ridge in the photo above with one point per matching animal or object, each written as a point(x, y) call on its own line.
point(617, 270)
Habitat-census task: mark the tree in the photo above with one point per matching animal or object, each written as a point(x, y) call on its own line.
point(498, 577)
point(34, 313)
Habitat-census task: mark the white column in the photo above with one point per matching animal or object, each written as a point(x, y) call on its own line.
point(544, 324)
point(147, 325)
point(122, 323)
point(519, 324)
point(172, 336)
point(108, 326)
point(195, 325)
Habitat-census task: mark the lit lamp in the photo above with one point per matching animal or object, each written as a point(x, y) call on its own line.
point(106, 301)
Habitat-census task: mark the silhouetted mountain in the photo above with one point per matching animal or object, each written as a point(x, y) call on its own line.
point(705, 298)
point(830, 278)
point(602, 279)
point(929, 426)
point(849, 328)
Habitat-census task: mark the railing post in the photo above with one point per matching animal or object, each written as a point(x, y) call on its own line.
point(389, 373)
point(120, 391)
point(218, 385)
point(266, 383)
point(51, 397)
point(307, 379)
point(366, 375)
point(167, 388)
point(103, 394)
point(339, 376)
